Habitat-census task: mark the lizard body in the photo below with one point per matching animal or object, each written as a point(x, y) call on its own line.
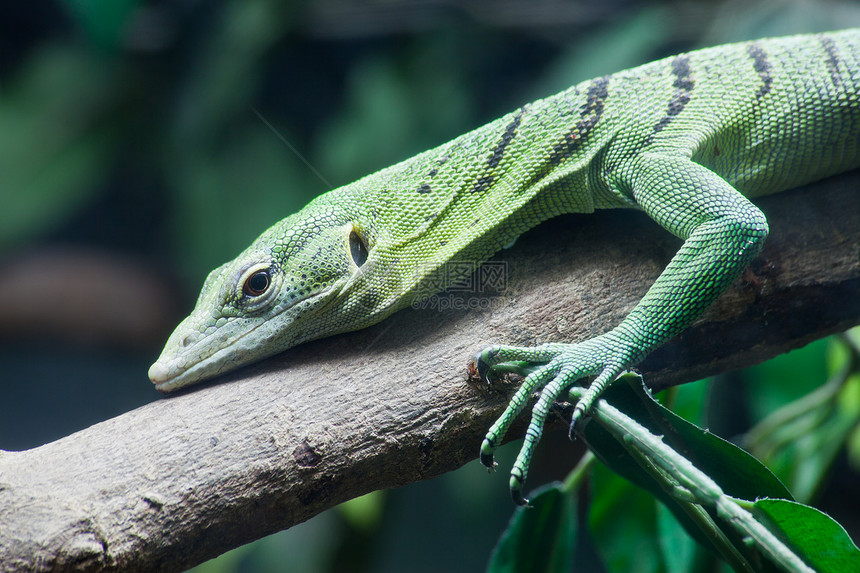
point(687, 139)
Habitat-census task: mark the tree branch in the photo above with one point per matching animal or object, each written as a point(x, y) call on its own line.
point(176, 482)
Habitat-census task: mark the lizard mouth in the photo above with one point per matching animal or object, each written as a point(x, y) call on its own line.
point(170, 375)
point(174, 370)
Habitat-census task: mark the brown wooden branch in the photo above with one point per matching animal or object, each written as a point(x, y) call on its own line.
point(178, 481)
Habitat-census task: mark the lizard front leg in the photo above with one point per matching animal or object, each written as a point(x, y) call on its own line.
point(723, 232)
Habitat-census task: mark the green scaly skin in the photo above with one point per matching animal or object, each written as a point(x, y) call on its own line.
point(686, 139)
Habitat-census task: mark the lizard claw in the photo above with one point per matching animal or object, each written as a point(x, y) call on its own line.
point(575, 418)
point(487, 455)
point(550, 370)
point(516, 484)
point(483, 363)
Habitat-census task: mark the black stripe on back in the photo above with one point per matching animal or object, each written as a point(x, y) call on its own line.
point(832, 60)
point(762, 67)
point(498, 152)
point(683, 85)
point(592, 109)
point(507, 136)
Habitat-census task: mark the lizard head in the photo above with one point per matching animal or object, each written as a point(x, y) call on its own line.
point(260, 303)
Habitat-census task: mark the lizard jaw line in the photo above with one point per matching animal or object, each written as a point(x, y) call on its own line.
point(168, 377)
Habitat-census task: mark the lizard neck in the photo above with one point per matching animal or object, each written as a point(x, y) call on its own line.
point(464, 201)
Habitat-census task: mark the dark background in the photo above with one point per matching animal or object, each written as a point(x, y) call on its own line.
point(133, 160)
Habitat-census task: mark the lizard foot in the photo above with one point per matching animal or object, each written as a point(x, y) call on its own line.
point(552, 369)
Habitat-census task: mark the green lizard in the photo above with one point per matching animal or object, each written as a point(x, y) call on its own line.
point(685, 139)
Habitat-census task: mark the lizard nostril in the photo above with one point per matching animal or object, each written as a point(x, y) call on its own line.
point(187, 340)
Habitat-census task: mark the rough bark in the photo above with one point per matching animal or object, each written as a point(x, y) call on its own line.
point(176, 482)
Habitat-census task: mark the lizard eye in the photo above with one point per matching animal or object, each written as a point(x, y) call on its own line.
point(257, 283)
point(357, 248)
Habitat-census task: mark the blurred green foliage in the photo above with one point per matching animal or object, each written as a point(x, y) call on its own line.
point(98, 99)
point(54, 148)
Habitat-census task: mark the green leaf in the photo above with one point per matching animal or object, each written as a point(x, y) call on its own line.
point(678, 549)
point(541, 538)
point(623, 524)
point(737, 473)
point(814, 535)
